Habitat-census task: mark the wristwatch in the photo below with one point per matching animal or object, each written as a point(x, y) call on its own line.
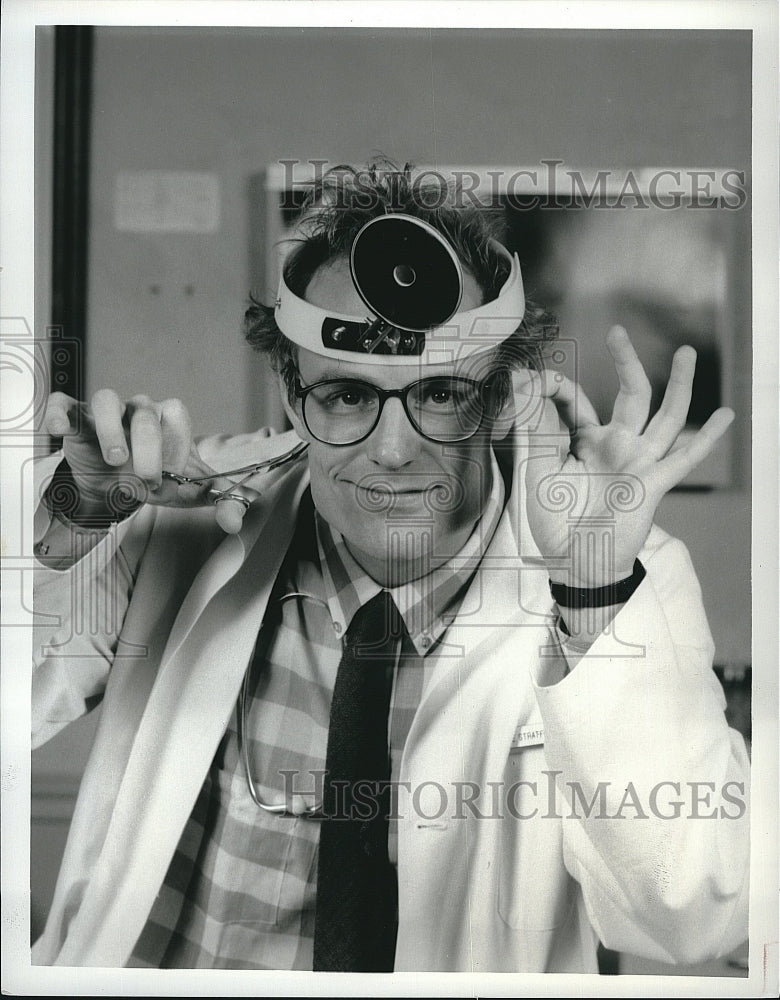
point(598, 597)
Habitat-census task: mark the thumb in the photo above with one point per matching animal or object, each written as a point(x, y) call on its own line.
point(547, 450)
point(231, 502)
point(230, 514)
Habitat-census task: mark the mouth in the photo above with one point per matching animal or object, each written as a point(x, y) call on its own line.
point(377, 495)
point(383, 489)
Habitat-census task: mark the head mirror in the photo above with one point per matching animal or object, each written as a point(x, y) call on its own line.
point(406, 273)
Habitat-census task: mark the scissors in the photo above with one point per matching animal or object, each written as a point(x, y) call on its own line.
point(246, 473)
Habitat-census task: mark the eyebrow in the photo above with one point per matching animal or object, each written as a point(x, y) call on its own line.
point(339, 376)
point(335, 373)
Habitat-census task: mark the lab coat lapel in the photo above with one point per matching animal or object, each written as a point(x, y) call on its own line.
point(501, 627)
point(187, 713)
point(501, 624)
point(479, 693)
point(230, 554)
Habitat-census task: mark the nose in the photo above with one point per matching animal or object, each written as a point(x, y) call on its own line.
point(393, 443)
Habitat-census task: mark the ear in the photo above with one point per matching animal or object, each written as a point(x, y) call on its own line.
point(292, 412)
point(503, 417)
point(503, 420)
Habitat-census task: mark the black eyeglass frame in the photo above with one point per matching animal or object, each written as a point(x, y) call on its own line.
point(484, 386)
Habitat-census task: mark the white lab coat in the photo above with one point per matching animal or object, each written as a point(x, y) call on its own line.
point(180, 605)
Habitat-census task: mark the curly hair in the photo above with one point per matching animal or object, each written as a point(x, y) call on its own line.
point(341, 202)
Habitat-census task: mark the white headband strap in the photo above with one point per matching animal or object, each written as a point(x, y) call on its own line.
point(466, 333)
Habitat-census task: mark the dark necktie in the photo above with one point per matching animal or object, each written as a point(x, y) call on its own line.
point(356, 919)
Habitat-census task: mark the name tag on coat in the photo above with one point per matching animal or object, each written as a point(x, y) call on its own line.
point(527, 736)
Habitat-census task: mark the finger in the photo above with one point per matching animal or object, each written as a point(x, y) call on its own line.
point(146, 440)
point(197, 493)
point(552, 440)
point(632, 405)
point(573, 406)
point(176, 434)
point(192, 493)
point(107, 412)
point(684, 459)
point(525, 405)
point(232, 500)
point(141, 400)
point(230, 515)
point(61, 411)
point(663, 429)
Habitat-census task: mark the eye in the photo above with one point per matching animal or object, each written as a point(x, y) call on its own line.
point(348, 397)
point(341, 396)
point(440, 395)
point(443, 393)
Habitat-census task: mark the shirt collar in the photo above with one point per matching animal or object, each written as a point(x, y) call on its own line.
point(428, 604)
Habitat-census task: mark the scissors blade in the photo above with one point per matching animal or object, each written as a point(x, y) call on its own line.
point(246, 471)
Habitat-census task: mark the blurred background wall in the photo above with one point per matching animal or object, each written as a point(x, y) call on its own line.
point(165, 308)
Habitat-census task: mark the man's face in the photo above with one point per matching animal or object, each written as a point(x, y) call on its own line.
point(402, 503)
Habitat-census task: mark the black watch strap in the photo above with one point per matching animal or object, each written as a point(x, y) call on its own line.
point(598, 597)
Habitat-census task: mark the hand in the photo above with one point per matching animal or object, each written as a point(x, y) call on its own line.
point(117, 451)
point(590, 511)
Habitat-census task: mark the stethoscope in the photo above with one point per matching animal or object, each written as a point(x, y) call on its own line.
point(280, 809)
point(215, 495)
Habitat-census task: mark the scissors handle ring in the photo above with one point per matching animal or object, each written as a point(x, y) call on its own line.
point(216, 496)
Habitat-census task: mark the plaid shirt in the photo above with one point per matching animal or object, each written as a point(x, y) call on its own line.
point(240, 890)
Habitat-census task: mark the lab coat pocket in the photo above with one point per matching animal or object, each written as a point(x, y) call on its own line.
point(535, 892)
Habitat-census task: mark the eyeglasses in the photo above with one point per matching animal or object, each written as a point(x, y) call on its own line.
point(346, 411)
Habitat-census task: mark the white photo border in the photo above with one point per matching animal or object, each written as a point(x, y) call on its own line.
point(20, 18)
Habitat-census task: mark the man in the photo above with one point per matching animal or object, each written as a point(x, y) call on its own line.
point(442, 699)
